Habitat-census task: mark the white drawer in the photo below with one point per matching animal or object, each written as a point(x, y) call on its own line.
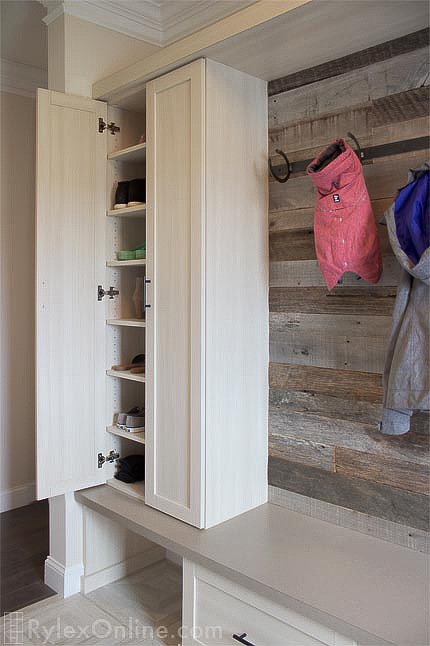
point(215, 609)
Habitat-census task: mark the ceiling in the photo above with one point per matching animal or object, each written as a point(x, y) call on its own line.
point(159, 22)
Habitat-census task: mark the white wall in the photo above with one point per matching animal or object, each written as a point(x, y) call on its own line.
point(17, 406)
point(80, 53)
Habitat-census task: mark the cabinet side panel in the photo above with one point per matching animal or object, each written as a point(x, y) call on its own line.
point(237, 293)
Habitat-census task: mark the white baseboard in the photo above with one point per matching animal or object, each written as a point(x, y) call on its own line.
point(65, 581)
point(17, 496)
point(124, 568)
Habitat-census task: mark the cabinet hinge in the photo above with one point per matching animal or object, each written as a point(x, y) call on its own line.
point(110, 457)
point(111, 292)
point(112, 127)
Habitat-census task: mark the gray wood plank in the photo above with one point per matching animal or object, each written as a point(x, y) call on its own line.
point(307, 273)
point(303, 451)
point(345, 384)
point(328, 348)
point(362, 495)
point(386, 470)
point(338, 432)
point(377, 301)
point(345, 325)
point(363, 58)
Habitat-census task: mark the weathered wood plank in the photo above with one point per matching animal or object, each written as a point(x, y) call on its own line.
point(343, 408)
point(402, 106)
point(307, 273)
point(364, 58)
point(345, 325)
point(290, 220)
point(341, 300)
point(345, 384)
point(303, 451)
point(383, 179)
point(329, 349)
point(372, 498)
point(332, 431)
point(350, 89)
point(300, 245)
point(395, 473)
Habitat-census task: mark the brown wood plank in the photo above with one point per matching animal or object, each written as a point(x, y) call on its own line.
point(345, 325)
point(386, 470)
point(307, 273)
point(303, 451)
point(346, 384)
point(377, 301)
point(368, 497)
point(328, 348)
point(300, 245)
point(402, 106)
point(363, 58)
point(290, 220)
point(345, 429)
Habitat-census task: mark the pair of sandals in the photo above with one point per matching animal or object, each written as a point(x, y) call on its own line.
point(136, 367)
point(133, 421)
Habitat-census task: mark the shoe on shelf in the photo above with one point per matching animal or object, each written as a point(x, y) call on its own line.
point(135, 423)
point(137, 362)
point(137, 192)
point(122, 417)
point(122, 195)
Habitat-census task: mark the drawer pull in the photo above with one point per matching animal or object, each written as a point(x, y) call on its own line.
point(242, 640)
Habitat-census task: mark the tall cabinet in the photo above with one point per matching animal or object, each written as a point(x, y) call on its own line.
point(205, 332)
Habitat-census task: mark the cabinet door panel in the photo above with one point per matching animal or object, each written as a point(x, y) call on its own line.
point(71, 176)
point(175, 221)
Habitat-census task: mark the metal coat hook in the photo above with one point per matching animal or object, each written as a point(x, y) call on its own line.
point(282, 180)
point(359, 152)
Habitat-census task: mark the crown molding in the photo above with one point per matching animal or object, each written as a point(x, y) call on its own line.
point(153, 21)
point(21, 79)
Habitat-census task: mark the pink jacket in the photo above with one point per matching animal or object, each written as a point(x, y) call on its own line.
point(345, 232)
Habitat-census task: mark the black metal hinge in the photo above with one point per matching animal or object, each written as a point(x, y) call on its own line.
point(110, 457)
point(112, 127)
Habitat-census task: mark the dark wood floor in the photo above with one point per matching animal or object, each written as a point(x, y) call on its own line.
point(24, 541)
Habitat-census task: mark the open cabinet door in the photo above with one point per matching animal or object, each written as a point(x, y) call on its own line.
point(70, 241)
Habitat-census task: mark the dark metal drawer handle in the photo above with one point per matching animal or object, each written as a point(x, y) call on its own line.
point(242, 640)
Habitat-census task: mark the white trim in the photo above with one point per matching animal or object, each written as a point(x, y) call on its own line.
point(124, 568)
point(65, 581)
point(21, 79)
point(17, 496)
point(154, 22)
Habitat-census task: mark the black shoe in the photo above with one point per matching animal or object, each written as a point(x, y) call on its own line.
point(137, 192)
point(121, 195)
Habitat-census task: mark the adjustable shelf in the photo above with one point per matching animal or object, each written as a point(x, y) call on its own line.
point(126, 263)
point(135, 489)
point(131, 154)
point(134, 437)
point(128, 212)
point(126, 322)
point(126, 374)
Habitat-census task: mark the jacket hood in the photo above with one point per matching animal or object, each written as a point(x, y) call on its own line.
point(408, 222)
point(336, 167)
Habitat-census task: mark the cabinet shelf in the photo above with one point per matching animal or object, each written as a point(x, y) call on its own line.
point(126, 322)
point(135, 153)
point(128, 212)
point(135, 489)
point(134, 437)
point(126, 374)
point(126, 263)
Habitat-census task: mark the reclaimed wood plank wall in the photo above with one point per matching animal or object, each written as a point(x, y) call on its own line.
point(327, 350)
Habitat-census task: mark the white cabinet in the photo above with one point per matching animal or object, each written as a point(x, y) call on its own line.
point(205, 335)
point(219, 612)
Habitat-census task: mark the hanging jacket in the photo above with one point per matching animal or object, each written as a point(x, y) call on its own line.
point(345, 231)
point(407, 367)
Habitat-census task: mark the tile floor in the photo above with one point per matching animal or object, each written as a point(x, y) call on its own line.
point(142, 609)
